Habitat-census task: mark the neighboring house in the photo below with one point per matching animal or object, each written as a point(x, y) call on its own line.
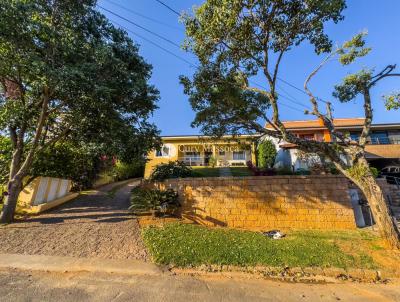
point(197, 150)
point(383, 146)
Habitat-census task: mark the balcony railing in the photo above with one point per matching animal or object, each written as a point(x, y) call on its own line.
point(204, 161)
point(383, 141)
point(193, 160)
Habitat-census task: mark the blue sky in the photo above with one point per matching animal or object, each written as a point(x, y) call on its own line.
point(174, 116)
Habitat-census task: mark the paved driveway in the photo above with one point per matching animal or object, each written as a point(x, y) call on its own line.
point(93, 225)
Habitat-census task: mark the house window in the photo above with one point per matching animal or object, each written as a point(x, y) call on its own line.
point(239, 155)
point(355, 136)
point(221, 153)
point(309, 137)
point(163, 152)
point(192, 154)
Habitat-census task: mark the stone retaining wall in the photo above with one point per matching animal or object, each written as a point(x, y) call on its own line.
point(266, 202)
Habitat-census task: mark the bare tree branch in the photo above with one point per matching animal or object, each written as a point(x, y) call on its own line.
point(368, 112)
point(277, 64)
point(313, 99)
point(386, 72)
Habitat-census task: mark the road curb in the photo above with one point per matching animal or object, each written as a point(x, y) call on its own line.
point(71, 264)
point(296, 274)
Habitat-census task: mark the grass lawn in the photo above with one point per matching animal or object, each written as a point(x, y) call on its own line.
point(192, 245)
point(241, 171)
point(205, 172)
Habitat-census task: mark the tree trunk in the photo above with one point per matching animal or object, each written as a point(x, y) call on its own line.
point(380, 211)
point(13, 188)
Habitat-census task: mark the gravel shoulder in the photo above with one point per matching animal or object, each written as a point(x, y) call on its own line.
point(95, 224)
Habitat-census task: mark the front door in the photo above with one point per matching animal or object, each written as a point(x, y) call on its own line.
point(207, 155)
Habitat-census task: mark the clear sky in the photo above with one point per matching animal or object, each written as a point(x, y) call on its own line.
point(380, 18)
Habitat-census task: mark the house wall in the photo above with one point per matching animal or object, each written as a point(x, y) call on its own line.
point(265, 203)
point(179, 145)
point(382, 151)
point(286, 158)
point(289, 157)
point(394, 135)
point(154, 161)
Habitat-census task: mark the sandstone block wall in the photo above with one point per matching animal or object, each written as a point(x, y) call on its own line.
point(266, 202)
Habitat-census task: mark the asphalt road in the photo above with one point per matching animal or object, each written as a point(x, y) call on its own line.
point(16, 285)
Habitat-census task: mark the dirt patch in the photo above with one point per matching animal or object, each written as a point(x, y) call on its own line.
point(147, 220)
point(374, 247)
point(95, 224)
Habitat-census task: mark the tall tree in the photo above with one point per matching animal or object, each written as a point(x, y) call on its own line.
point(66, 72)
point(235, 40)
point(266, 154)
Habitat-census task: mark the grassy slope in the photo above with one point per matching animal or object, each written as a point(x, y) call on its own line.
point(193, 245)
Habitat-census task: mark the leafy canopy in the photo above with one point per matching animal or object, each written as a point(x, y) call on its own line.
point(235, 40)
point(352, 85)
point(65, 61)
point(392, 101)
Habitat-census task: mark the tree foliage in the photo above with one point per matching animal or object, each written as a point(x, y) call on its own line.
point(220, 102)
point(66, 73)
point(352, 85)
point(392, 101)
point(5, 159)
point(234, 40)
point(266, 154)
point(81, 164)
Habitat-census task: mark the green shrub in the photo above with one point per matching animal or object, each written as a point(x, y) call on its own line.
point(302, 172)
point(374, 171)
point(212, 161)
point(172, 169)
point(122, 171)
point(145, 199)
point(332, 169)
point(359, 171)
point(266, 154)
point(2, 190)
point(284, 171)
point(5, 159)
point(64, 160)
